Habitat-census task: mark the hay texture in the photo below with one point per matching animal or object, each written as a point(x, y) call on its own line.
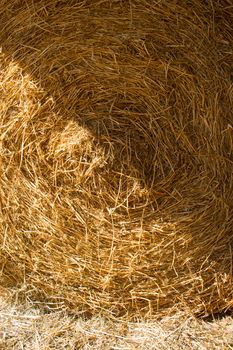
point(116, 155)
point(28, 328)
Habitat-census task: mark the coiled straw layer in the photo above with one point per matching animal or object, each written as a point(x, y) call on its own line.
point(116, 154)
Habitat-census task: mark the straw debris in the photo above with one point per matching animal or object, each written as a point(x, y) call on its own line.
point(28, 328)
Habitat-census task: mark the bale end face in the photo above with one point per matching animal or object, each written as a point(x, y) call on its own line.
point(116, 155)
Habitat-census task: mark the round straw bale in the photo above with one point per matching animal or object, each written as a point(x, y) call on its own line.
point(116, 154)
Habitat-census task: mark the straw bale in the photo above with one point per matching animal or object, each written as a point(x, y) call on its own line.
point(116, 155)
